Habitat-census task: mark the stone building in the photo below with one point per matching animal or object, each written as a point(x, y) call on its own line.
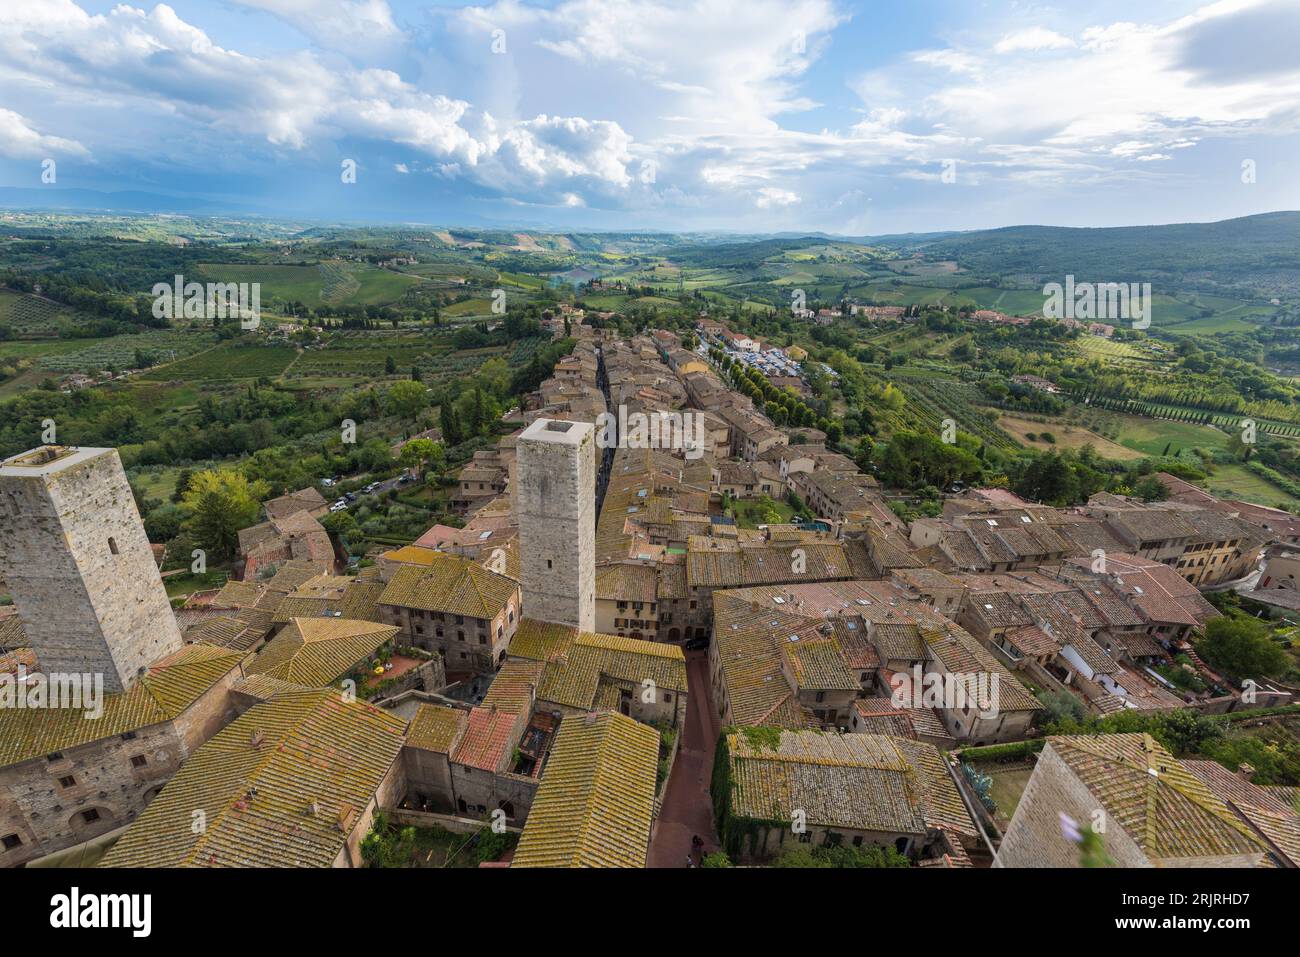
point(294, 782)
point(1145, 807)
point(556, 464)
point(74, 553)
point(66, 778)
point(455, 607)
point(845, 790)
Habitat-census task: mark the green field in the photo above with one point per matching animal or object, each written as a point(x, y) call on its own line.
point(329, 283)
point(228, 361)
point(27, 315)
point(1151, 436)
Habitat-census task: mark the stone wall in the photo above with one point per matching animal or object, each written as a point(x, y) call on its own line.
point(74, 553)
point(556, 465)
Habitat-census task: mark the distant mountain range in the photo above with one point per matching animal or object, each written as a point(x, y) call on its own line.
point(1262, 246)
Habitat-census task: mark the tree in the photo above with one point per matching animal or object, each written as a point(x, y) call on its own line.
point(419, 453)
point(1241, 648)
point(219, 505)
point(911, 460)
point(406, 399)
point(390, 365)
point(1151, 489)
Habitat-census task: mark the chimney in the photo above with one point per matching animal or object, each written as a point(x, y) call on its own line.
point(1245, 772)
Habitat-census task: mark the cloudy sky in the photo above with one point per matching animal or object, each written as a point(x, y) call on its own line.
point(753, 115)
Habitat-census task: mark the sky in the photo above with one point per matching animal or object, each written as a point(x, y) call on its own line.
point(754, 116)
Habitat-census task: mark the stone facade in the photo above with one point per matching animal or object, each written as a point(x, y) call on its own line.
point(557, 522)
point(57, 800)
point(74, 552)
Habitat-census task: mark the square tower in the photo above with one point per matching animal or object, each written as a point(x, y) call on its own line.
point(74, 553)
point(555, 469)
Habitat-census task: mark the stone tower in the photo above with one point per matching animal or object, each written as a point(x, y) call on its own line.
point(74, 553)
point(555, 468)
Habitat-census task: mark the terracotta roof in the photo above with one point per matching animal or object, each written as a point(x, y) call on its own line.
point(489, 735)
point(12, 634)
point(435, 728)
point(595, 805)
point(282, 786)
point(960, 653)
point(1168, 811)
point(1269, 814)
point(335, 595)
point(590, 660)
point(319, 651)
point(865, 782)
point(164, 693)
point(626, 581)
point(450, 584)
point(515, 686)
point(308, 499)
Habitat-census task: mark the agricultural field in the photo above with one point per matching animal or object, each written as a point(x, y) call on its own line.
point(1237, 481)
point(230, 360)
point(26, 315)
point(328, 283)
point(1153, 436)
point(119, 352)
point(1066, 436)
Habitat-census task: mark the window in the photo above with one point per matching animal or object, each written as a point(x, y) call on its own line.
point(67, 781)
point(112, 545)
point(11, 841)
point(54, 756)
point(139, 761)
point(857, 841)
point(91, 816)
point(548, 563)
point(129, 736)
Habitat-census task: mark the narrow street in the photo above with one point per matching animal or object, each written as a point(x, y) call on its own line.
point(688, 808)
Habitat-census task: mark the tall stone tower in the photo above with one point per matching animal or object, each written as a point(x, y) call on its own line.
point(74, 553)
point(555, 468)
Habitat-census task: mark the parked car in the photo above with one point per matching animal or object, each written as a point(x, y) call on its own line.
point(339, 506)
point(350, 496)
point(695, 644)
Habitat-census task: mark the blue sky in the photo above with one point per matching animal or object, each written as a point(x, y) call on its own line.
point(748, 115)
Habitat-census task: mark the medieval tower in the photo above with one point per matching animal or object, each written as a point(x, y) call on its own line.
point(74, 553)
point(556, 478)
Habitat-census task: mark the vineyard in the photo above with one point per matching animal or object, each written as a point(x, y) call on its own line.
point(930, 400)
point(337, 284)
point(228, 361)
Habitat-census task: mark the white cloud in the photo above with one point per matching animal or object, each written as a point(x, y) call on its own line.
point(1032, 39)
point(294, 102)
point(350, 26)
point(770, 196)
point(18, 140)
